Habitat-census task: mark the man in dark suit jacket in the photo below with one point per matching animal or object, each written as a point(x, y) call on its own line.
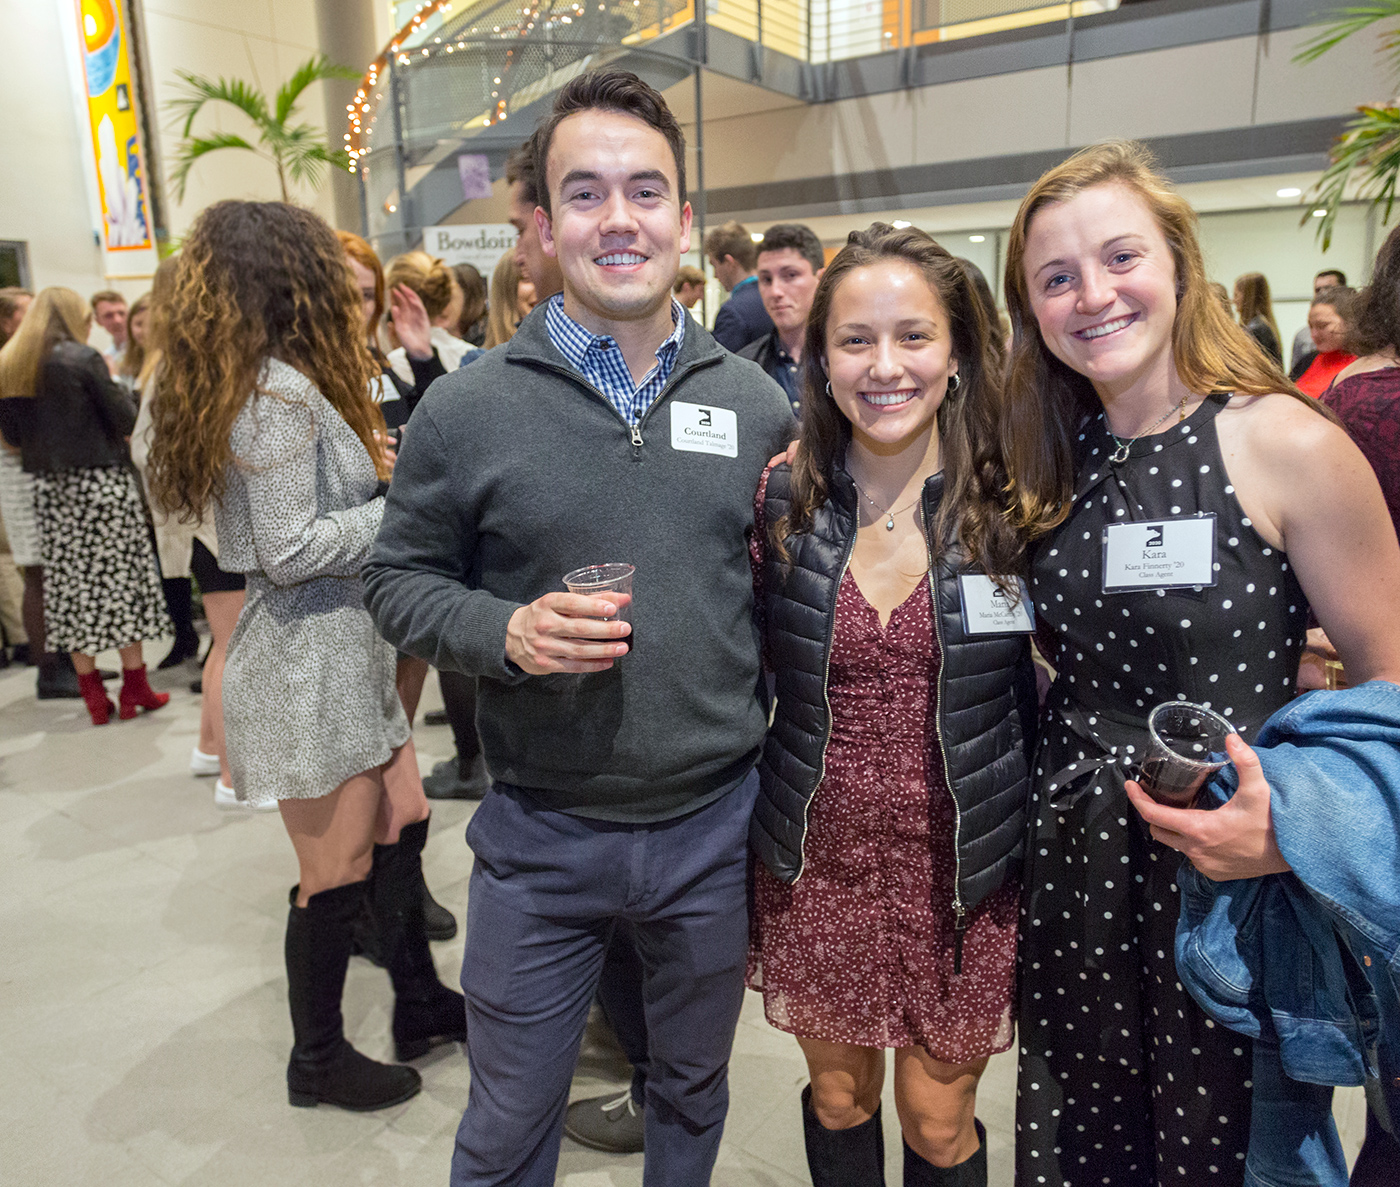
point(733, 255)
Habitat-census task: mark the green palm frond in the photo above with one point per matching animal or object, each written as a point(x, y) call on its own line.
point(298, 151)
point(309, 165)
point(312, 70)
point(199, 91)
point(1342, 23)
point(192, 150)
point(1366, 160)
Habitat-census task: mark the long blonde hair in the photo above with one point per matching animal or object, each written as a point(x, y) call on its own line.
point(57, 315)
point(501, 315)
point(1046, 401)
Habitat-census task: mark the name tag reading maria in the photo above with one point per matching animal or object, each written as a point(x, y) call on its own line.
point(697, 428)
point(987, 609)
point(1159, 554)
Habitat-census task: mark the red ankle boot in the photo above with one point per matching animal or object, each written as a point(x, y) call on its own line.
point(95, 697)
point(138, 694)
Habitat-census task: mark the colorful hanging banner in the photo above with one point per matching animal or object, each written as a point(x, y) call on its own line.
point(115, 126)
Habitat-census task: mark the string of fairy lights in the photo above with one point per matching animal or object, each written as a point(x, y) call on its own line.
point(532, 13)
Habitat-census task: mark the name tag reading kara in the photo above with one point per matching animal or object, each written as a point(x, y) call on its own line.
point(1160, 554)
point(988, 610)
point(696, 428)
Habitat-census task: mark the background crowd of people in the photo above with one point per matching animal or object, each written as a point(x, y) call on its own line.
point(369, 470)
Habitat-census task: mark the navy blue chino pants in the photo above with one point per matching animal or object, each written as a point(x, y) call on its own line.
point(546, 890)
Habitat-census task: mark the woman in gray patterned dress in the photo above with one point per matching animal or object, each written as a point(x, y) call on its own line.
point(264, 415)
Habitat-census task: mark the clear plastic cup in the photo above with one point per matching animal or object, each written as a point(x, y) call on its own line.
point(1186, 746)
point(592, 580)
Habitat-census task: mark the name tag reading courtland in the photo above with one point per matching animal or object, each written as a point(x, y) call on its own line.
point(1159, 554)
point(988, 610)
point(697, 428)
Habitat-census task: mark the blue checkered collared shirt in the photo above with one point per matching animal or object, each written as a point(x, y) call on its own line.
point(598, 358)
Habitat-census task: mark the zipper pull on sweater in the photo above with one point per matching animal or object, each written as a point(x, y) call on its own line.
point(636, 439)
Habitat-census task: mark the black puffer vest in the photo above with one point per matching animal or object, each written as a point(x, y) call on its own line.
point(986, 703)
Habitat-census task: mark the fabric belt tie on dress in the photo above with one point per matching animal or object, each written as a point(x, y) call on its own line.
point(1088, 794)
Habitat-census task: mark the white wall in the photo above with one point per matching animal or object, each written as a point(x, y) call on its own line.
point(44, 186)
point(44, 190)
point(1272, 242)
point(260, 41)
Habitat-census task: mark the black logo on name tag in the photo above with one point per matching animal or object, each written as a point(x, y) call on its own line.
point(706, 418)
point(1154, 535)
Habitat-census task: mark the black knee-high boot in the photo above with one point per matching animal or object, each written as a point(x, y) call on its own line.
point(852, 1157)
point(425, 1010)
point(323, 1066)
point(970, 1172)
point(181, 611)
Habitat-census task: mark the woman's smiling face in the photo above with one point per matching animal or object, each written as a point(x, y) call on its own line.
point(1102, 285)
point(888, 353)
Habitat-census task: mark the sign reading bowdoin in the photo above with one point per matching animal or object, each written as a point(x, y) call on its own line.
point(479, 244)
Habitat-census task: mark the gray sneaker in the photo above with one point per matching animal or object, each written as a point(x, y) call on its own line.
point(611, 1124)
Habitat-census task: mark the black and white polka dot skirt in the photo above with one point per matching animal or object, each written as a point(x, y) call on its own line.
point(101, 585)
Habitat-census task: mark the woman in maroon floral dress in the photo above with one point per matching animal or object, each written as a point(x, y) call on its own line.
point(894, 779)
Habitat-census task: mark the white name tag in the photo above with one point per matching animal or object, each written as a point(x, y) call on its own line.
point(987, 610)
point(382, 390)
point(1159, 554)
point(699, 429)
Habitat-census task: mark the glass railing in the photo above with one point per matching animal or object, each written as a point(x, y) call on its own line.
point(457, 72)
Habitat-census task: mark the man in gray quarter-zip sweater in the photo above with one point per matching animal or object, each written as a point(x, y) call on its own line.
point(611, 428)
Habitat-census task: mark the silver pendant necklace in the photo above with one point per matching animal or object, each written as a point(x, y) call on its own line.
point(1120, 455)
point(885, 511)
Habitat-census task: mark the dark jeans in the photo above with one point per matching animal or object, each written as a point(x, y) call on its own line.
point(620, 996)
point(545, 893)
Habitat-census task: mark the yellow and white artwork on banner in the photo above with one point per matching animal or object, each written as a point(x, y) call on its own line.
point(115, 126)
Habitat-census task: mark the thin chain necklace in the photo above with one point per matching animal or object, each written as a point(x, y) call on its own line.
point(1120, 455)
point(885, 511)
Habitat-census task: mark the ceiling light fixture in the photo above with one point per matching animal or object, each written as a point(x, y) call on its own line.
point(1290, 191)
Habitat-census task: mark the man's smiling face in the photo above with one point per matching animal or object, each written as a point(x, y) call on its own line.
point(616, 225)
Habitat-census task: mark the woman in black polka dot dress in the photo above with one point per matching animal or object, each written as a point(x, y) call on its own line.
point(1123, 1079)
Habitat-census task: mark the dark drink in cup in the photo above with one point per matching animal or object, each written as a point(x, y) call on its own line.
point(596, 580)
point(1186, 746)
point(1174, 786)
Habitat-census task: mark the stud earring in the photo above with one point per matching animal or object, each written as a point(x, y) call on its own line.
point(954, 382)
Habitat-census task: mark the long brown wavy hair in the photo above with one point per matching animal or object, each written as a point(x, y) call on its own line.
point(255, 280)
point(1256, 300)
point(1046, 401)
point(968, 419)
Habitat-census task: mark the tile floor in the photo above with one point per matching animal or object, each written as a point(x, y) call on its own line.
point(143, 1017)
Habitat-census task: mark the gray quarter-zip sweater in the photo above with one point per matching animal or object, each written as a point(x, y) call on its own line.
point(514, 471)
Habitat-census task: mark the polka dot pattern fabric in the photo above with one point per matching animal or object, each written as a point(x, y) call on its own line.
point(1122, 1078)
point(101, 585)
point(860, 949)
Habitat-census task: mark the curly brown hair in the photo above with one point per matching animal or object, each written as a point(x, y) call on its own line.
point(1375, 320)
point(973, 507)
point(256, 280)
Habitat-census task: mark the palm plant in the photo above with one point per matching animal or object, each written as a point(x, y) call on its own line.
point(1366, 158)
point(298, 151)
